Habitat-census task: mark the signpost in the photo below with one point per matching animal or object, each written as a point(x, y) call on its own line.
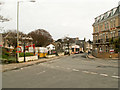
point(111, 51)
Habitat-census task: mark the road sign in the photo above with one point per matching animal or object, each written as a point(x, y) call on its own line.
point(111, 50)
point(18, 49)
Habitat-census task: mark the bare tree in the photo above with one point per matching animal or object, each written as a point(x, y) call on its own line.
point(41, 37)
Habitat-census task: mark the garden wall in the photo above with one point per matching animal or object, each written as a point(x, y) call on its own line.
point(105, 55)
point(28, 58)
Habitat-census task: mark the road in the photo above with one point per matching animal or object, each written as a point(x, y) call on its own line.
point(73, 71)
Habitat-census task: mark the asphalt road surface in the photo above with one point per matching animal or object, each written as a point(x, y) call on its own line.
point(73, 71)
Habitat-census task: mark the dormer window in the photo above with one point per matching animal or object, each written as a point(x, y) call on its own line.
point(101, 17)
point(108, 13)
point(105, 15)
point(114, 10)
point(111, 12)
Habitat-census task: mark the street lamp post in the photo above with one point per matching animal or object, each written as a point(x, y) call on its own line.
point(24, 52)
point(18, 28)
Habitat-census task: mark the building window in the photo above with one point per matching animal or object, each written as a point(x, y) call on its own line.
point(107, 35)
point(113, 33)
point(119, 33)
point(105, 25)
point(96, 29)
point(112, 13)
point(111, 24)
point(101, 27)
point(103, 35)
point(100, 49)
point(107, 49)
point(114, 25)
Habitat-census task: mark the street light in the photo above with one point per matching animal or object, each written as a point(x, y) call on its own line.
point(18, 27)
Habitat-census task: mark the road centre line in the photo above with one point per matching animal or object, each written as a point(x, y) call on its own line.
point(75, 70)
point(93, 73)
point(115, 77)
point(104, 75)
point(41, 72)
point(85, 71)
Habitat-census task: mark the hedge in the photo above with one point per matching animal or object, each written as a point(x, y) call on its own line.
point(26, 54)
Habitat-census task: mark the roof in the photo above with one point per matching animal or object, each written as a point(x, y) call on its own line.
point(107, 14)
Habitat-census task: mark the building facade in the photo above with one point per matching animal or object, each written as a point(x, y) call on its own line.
point(105, 31)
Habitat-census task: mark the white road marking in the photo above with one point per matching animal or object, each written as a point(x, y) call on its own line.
point(85, 71)
point(115, 77)
point(41, 72)
point(75, 70)
point(93, 73)
point(104, 75)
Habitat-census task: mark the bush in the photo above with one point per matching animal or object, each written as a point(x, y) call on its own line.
point(7, 57)
point(29, 54)
point(26, 54)
point(11, 60)
point(4, 56)
point(7, 53)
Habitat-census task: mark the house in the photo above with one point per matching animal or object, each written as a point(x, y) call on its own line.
point(68, 43)
point(51, 48)
point(9, 40)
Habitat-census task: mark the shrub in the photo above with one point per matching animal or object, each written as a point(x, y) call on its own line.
point(26, 54)
point(29, 54)
point(5, 56)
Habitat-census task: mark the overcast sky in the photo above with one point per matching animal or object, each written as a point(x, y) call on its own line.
point(73, 18)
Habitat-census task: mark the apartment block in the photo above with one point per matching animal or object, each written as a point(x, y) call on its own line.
point(106, 29)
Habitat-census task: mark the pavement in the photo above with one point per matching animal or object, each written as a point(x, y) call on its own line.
point(14, 66)
point(90, 56)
